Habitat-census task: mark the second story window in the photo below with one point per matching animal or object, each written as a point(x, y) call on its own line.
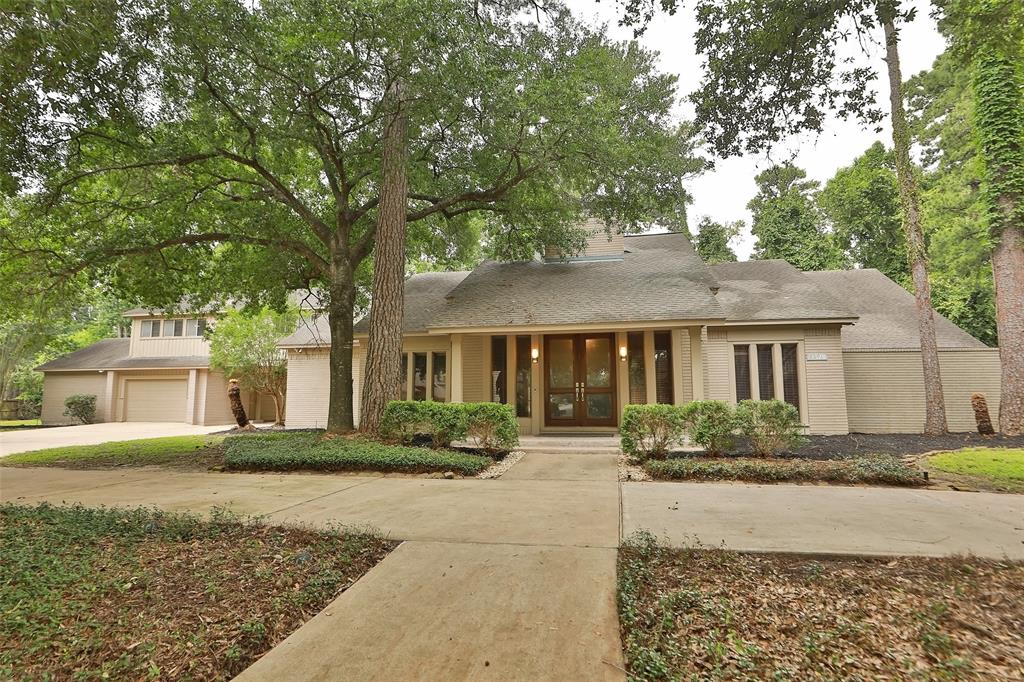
point(150, 328)
point(195, 327)
point(174, 327)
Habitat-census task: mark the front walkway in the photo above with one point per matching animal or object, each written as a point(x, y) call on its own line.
point(40, 438)
point(515, 578)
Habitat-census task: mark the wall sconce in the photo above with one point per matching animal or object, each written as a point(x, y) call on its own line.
point(622, 353)
point(534, 354)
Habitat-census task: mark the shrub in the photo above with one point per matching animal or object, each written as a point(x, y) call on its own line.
point(446, 422)
point(293, 451)
point(81, 407)
point(648, 431)
point(403, 420)
point(773, 426)
point(876, 470)
point(710, 424)
point(492, 426)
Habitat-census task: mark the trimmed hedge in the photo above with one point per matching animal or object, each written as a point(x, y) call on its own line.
point(311, 451)
point(710, 424)
point(773, 426)
point(649, 431)
point(876, 470)
point(493, 426)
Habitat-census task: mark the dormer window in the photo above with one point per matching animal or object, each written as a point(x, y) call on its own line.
point(150, 328)
point(195, 327)
point(170, 328)
point(174, 327)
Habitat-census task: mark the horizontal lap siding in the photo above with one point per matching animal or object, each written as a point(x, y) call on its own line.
point(473, 369)
point(717, 357)
point(826, 394)
point(59, 385)
point(885, 390)
point(217, 408)
point(309, 389)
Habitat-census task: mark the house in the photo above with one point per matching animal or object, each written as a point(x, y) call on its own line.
point(641, 319)
point(161, 373)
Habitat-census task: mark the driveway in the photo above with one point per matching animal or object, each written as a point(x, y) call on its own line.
point(25, 440)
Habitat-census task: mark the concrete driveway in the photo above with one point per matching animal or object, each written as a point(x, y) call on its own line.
point(29, 439)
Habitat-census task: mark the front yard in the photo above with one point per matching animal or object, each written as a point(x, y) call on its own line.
point(717, 614)
point(1000, 469)
point(142, 594)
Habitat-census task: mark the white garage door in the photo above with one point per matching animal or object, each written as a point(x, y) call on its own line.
point(155, 400)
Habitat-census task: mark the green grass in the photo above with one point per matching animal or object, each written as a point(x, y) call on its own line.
point(148, 451)
point(999, 464)
point(311, 451)
point(19, 423)
point(139, 594)
point(881, 470)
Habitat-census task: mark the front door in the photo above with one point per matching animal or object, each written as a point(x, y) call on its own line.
point(580, 380)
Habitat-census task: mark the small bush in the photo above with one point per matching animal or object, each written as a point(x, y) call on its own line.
point(311, 451)
point(649, 431)
point(402, 420)
point(492, 426)
point(446, 422)
point(710, 424)
point(81, 407)
point(874, 470)
point(773, 426)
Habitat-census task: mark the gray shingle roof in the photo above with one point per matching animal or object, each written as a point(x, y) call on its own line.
point(659, 278)
point(113, 354)
point(761, 290)
point(887, 312)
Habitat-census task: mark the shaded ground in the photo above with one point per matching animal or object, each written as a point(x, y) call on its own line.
point(857, 444)
point(716, 614)
point(136, 594)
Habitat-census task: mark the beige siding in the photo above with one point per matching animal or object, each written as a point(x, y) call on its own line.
point(216, 408)
point(599, 244)
point(156, 400)
point(825, 392)
point(166, 346)
point(309, 389)
point(885, 390)
point(473, 369)
point(59, 385)
point(717, 361)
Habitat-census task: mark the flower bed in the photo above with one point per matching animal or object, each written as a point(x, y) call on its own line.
point(869, 470)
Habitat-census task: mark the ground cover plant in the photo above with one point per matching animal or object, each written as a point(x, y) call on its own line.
point(196, 451)
point(143, 594)
point(286, 451)
point(879, 470)
point(722, 615)
point(1003, 467)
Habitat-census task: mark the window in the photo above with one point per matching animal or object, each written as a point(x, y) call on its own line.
point(790, 392)
point(663, 367)
point(765, 373)
point(524, 376)
point(499, 367)
point(150, 328)
point(194, 327)
point(636, 368)
point(439, 377)
point(419, 376)
point(741, 358)
point(174, 327)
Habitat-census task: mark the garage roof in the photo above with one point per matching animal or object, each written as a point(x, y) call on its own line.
point(113, 354)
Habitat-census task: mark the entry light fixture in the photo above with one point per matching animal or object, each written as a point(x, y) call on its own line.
point(534, 354)
point(622, 353)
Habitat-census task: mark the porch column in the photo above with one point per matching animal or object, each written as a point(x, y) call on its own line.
point(537, 407)
point(696, 364)
point(650, 377)
point(780, 389)
point(622, 375)
point(190, 397)
point(109, 400)
point(677, 367)
point(456, 369)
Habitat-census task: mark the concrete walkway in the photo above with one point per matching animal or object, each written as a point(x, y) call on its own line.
point(515, 578)
point(25, 440)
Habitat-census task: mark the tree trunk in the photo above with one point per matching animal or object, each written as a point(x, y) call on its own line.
point(237, 409)
point(999, 125)
point(384, 355)
point(340, 309)
point(278, 408)
point(935, 403)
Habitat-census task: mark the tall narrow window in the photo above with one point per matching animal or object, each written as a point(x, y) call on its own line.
point(419, 376)
point(403, 381)
point(790, 387)
point(176, 327)
point(439, 379)
point(663, 367)
point(741, 361)
point(765, 371)
point(499, 368)
point(636, 368)
point(524, 378)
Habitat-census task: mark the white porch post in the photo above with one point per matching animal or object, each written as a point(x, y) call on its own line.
point(780, 390)
point(456, 368)
point(190, 397)
point(696, 364)
point(109, 400)
point(677, 367)
point(538, 407)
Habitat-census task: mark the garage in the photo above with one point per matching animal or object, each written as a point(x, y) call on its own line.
point(155, 400)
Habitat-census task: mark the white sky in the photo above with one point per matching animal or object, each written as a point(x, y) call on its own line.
point(724, 192)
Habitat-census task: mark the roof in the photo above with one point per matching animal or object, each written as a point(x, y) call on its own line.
point(887, 312)
point(763, 290)
point(659, 278)
point(113, 354)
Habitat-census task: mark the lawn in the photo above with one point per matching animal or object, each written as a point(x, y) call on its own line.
point(140, 594)
point(14, 424)
point(722, 615)
point(879, 470)
point(181, 451)
point(1003, 466)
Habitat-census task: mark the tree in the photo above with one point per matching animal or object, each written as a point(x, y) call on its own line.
point(787, 223)
point(774, 69)
point(989, 37)
point(248, 161)
point(712, 241)
point(861, 202)
point(244, 347)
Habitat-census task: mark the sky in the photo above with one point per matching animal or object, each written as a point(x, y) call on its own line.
point(723, 193)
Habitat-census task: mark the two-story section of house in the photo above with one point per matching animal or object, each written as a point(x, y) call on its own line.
point(161, 373)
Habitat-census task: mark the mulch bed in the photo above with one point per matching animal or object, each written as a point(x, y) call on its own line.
point(857, 444)
point(140, 594)
point(717, 614)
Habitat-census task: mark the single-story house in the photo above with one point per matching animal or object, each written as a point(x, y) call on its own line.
point(642, 319)
point(161, 373)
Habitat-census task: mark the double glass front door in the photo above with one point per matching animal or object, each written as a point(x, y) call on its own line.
point(580, 380)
